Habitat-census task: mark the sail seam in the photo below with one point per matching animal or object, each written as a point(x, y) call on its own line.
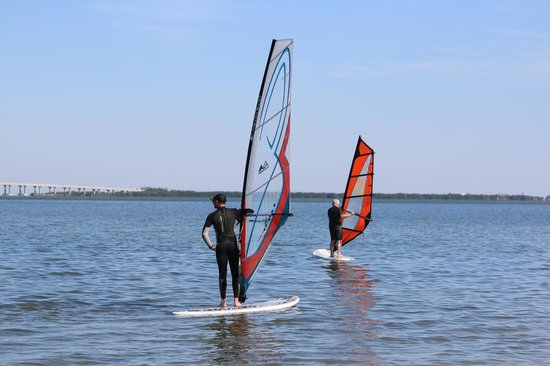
point(266, 183)
point(273, 117)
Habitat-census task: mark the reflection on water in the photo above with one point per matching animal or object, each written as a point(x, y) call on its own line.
point(237, 340)
point(353, 298)
point(352, 290)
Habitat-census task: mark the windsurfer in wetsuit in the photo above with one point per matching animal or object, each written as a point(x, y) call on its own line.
point(335, 219)
point(226, 247)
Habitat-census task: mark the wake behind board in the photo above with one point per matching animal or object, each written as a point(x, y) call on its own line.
point(271, 305)
point(325, 254)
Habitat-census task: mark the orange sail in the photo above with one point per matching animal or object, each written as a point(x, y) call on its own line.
point(358, 194)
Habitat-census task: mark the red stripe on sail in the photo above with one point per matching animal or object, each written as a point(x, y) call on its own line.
point(249, 264)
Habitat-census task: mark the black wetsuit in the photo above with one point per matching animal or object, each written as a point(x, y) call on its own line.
point(227, 250)
point(335, 223)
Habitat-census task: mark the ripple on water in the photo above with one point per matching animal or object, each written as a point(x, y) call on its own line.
point(94, 282)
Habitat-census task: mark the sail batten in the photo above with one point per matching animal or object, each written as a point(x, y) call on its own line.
point(361, 175)
point(363, 195)
point(273, 117)
point(358, 193)
point(266, 186)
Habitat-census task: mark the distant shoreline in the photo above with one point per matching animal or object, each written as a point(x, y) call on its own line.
point(163, 193)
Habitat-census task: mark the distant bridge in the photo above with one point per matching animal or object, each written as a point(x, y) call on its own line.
point(37, 189)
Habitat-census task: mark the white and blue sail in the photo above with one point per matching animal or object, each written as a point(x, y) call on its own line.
point(266, 186)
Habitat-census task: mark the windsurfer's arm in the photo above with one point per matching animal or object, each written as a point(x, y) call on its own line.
point(347, 214)
point(206, 238)
point(246, 211)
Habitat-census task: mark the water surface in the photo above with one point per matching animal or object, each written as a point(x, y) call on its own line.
point(87, 282)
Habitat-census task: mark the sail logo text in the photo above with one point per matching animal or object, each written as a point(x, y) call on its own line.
point(263, 167)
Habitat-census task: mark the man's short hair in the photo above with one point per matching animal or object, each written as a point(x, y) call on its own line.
point(220, 197)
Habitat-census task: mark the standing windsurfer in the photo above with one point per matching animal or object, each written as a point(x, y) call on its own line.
point(226, 247)
point(335, 219)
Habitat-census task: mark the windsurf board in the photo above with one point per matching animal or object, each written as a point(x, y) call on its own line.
point(325, 254)
point(271, 305)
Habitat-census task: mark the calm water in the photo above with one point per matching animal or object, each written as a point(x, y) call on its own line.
point(94, 282)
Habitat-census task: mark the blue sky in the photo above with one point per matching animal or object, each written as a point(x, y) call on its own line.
point(454, 96)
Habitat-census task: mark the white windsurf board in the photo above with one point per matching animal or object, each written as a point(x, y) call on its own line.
point(271, 305)
point(325, 254)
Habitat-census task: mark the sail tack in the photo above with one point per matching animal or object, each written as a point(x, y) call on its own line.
point(358, 193)
point(266, 187)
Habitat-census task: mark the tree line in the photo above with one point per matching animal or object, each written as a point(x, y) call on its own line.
point(164, 192)
point(156, 192)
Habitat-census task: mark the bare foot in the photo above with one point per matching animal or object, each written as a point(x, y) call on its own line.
point(223, 304)
point(237, 304)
